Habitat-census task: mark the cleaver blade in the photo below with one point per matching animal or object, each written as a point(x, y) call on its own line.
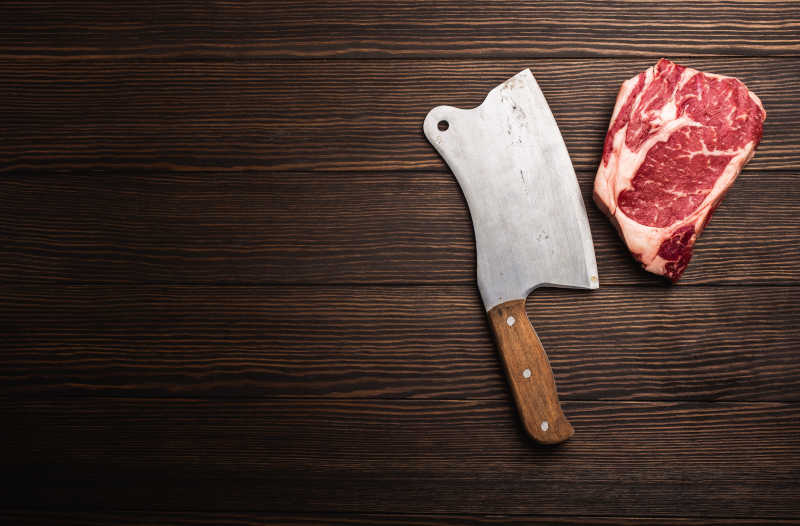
point(530, 225)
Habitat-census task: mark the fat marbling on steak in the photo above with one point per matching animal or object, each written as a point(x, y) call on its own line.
point(678, 138)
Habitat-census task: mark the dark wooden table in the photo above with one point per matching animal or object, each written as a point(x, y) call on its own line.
point(238, 284)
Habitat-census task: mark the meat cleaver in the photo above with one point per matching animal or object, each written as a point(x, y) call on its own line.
point(530, 228)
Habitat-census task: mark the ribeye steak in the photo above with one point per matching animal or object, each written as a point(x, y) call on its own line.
point(678, 138)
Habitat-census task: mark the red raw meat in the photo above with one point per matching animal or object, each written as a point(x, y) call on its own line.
point(677, 140)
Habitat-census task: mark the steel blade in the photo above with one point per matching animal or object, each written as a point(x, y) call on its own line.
point(512, 164)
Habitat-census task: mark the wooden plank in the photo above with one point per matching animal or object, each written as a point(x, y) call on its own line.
point(625, 343)
point(318, 115)
point(186, 518)
point(451, 28)
point(349, 227)
point(373, 456)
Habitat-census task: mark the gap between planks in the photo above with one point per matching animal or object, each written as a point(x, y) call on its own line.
point(354, 400)
point(316, 517)
point(182, 58)
point(376, 284)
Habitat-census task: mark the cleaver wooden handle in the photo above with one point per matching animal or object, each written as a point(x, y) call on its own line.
point(529, 374)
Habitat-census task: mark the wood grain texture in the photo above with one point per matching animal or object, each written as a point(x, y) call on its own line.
point(625, 343)
point(452, 28)
point(332, 228)
point(319, 115)
point(237, 284)
point(529, 375)
point(391, 456)
point(187, 518)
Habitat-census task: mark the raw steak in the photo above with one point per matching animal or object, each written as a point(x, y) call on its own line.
point(677, 140)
